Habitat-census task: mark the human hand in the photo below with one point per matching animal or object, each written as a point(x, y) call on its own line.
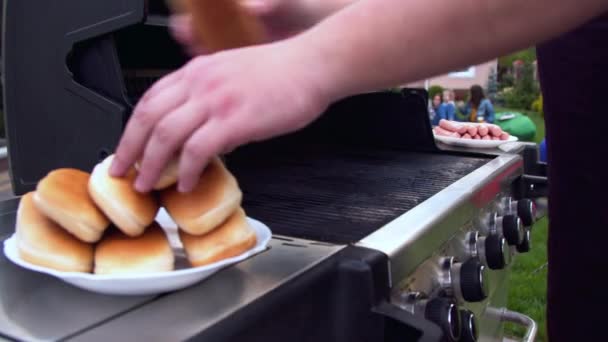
point(218, 102)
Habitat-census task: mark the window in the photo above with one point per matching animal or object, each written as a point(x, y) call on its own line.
point(465, 73)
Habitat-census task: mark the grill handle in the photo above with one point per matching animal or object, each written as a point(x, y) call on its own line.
point(401, 325)
point(505, 315)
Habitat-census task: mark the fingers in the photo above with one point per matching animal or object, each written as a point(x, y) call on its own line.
point(180, 26)
point(167, 137)
point(207, 142)
point(168, 80)
point(181, 29)
point(144, 118)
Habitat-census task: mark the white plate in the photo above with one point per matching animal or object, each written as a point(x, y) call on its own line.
point(151, 283)
point(473, 142)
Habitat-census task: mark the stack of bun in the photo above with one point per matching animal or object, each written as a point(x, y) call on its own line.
point(96, 223)
point(212, 224)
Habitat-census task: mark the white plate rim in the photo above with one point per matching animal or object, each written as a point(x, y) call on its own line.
point(260, 228)
point(474, 142)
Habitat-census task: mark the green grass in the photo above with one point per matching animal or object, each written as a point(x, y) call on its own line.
point(528, 283)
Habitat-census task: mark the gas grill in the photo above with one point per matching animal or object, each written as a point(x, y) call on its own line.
point(379, 233)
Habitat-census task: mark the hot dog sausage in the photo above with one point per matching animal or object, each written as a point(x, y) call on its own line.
point(466, 136)
point(504, 136)
point(483, 130)
point(495, 130)
point(441, 131)
point(472, 130)
point(452, 126)
point(486, 137)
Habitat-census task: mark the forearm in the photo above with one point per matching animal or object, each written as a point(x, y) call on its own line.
point(290, 17)
point(374, 44)
point(318, 10)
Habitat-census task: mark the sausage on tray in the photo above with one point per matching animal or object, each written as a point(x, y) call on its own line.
point(472, 129)
point(452, 126)
point(495, 130)
point(483, 130)
point(444, 132)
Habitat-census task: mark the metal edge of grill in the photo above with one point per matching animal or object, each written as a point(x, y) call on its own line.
point(432, 222)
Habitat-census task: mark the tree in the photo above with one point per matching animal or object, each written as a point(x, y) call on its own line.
point(492, 85)
point(527, 56)
point(434, 90)
point(525, 90)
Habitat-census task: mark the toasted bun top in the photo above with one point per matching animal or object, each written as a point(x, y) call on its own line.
point(233, 230)
point(122, 251)
point(214, 186)
point(168, 176)
point(67, 189)
point(122, 190)
point(40, 233)
point(209, 18)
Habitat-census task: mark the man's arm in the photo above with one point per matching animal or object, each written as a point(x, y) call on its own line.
point(374, 44)
point(317, 10)
point(207, 107)
point(287, 17)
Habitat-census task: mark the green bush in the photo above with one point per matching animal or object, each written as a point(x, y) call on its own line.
point(537, 105)
point(527, 56)
point(525, 90)
point(434, 90)
point(507, 81)
point(519, 100)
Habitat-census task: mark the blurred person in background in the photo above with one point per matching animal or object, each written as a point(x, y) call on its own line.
point(449, 104)
point(437, 110)
point(479, 108)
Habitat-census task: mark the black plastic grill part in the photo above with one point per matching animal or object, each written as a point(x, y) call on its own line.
point(137, 86)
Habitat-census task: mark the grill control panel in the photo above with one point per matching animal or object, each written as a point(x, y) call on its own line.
point(468, 274)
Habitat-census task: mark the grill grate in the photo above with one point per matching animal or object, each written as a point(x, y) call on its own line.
point(341, 197)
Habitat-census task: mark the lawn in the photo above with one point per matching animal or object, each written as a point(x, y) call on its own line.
point(528, 286)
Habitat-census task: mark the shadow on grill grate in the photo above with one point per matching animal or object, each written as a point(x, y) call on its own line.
point(341, 197)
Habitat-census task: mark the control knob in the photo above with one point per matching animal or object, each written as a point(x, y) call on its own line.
point(444, 313)
point(526, 210)
point(474, 281)
point(511, 228)
point(524, 246)
point(440, 310)
point(492, 250)
point(467, 280)
point(468, 326)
